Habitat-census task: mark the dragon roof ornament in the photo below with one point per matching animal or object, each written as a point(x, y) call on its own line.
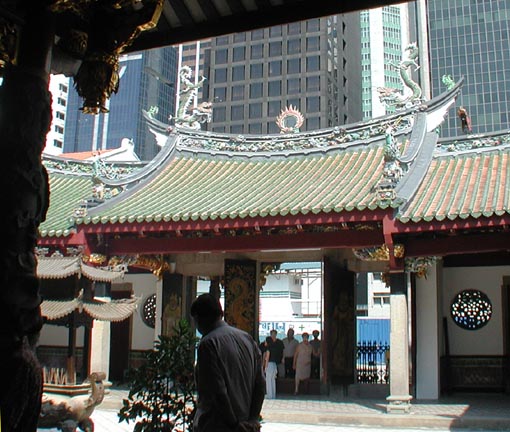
point(189, 114)
point(392, 97)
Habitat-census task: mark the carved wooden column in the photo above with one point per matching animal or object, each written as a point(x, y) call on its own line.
point(25, 114)
point(399, 399)
point(241, 295)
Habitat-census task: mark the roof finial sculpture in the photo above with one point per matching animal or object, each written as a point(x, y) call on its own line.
point(290, 120)
point(187, 115)
point(392, 97)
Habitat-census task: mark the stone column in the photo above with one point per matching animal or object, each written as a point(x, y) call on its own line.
point(100, 347)
point(399, 399)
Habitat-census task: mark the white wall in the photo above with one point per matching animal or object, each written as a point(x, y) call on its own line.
point(488, 340)
point(53, 335)
point(428, 340)
point(144, 285)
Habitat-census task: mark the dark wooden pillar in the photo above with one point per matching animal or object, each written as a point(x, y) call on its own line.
point(25, 115)
point(339, 325)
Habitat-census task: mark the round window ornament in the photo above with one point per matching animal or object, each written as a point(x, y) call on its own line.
point(148, 311)
point(471, 309)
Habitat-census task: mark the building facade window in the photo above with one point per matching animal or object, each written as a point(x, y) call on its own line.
point(255, 128)
point(274, 88)
point(257, 51)
point(275, 49)
point(294, 28)
point(237, 112)
point(255, 110)
point(294, 66)
point(239, 54)
point(219, 114)
point(313, 104)
point(275, 68)
point(313, 43)
point(221, 56)
point(256, 90)
point(220, 94)
point(274, 108)
point(293, 86)
point(257, 34)
point(312, 64)
point(238, 73)
point(220, 75)
point(293, 46)
point(237, 92)
point(256, 70)
point(313, 83)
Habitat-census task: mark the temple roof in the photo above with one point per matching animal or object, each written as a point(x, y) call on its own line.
point(113, 311)
point(394, 162)
point(462, 184)
point(63, 267)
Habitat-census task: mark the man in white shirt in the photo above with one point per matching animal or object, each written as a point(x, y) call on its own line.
point(289, 348)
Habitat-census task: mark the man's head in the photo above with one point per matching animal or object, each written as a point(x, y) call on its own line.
point(315, 334)
point(207, 311)
point(273, 334)
point(290, 333)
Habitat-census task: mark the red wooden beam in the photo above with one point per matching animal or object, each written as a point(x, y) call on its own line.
point(327, 240)
point(457, 244)
point(354, 216)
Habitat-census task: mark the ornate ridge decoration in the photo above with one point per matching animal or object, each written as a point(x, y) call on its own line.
point(392, 170)
point(336, 136)
point(378, 253)
point(103, 30)
point(475, 143)
point(158, 264)
point(290, 120)
point(417, 265)
point(99, 168)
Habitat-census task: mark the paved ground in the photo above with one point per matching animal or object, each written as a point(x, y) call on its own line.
point(320, 414)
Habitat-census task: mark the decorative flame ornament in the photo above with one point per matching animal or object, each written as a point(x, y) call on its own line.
point(290, 120)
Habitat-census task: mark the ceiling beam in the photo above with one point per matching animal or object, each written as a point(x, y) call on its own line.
point(457, 244)
point(246, 20)
point(252, 243)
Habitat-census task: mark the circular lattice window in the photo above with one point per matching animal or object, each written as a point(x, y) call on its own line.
point(148, 311)
point(471, 309)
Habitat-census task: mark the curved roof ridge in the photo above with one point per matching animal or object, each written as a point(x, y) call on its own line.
point(454, 146)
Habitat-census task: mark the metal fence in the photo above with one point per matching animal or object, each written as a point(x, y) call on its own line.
point(372, 363)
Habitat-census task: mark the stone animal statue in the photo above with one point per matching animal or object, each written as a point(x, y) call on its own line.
point(67, 413)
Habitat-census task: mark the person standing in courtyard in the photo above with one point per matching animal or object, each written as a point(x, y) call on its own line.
point(316, 355)
point(289, 348)
point(230, 381)
point(274, 357)
point(302, 362)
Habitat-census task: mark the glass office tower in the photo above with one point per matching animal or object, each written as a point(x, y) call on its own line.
point(470, 39)
point(147, 80)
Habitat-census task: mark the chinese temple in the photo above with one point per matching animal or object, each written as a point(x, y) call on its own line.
point(384, 195)
point(378, 194)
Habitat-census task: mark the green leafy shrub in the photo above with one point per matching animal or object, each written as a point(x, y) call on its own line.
point(162, 391)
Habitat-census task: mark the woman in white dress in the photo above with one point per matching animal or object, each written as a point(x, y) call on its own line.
point(302, 362)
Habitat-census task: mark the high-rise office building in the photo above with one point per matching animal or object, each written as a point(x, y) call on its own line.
point(470, 39)
point(384, 36)
point(313, 65)
point(147, 82)
point(59, 89)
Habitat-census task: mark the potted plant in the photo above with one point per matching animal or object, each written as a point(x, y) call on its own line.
point(162, 391)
